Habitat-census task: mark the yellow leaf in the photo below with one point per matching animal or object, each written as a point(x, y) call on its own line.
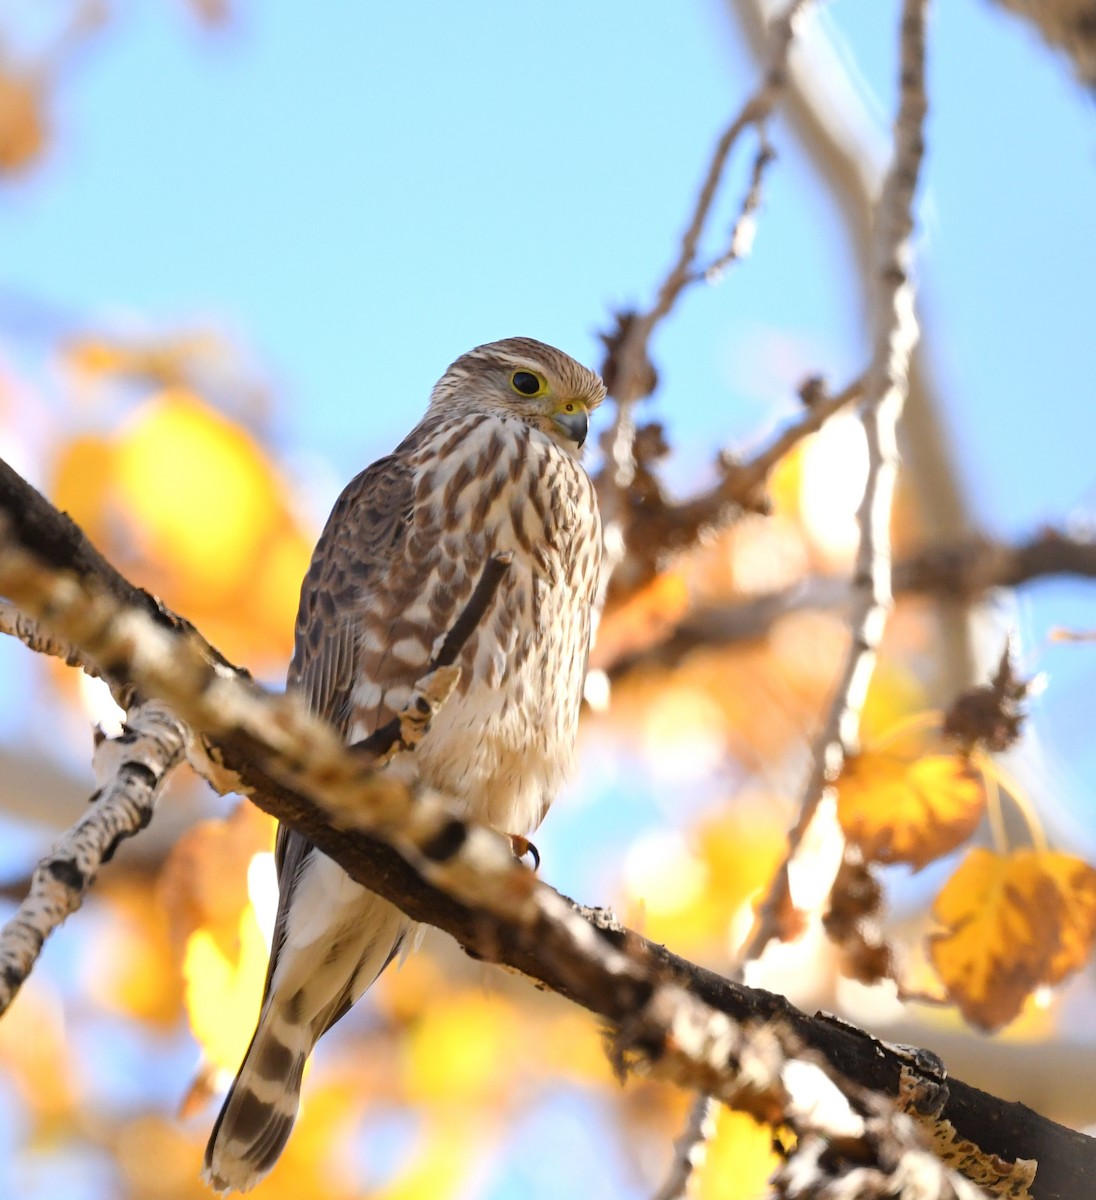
point(222, 993)
point(202, 494)
point(740, 1159)
point(188, 503)
point(643, 619)
point(1076, 883)
point(1005, 917)
point(156, 1159)
point(82, 484)
point(136, 969)
point(463, 1051)
point(36, 1057)
point(203, 884)
point(912, 811)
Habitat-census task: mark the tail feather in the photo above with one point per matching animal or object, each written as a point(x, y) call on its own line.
point(258, 1113)
point(321, 968)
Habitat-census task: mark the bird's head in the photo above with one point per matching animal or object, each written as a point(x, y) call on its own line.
point(526, 379)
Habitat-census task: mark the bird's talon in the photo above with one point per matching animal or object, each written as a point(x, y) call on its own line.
point(523, 846)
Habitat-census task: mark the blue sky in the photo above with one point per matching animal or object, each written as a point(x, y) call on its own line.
point(360, 192)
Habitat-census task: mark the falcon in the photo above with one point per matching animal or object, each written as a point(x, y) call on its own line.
point(494, 467)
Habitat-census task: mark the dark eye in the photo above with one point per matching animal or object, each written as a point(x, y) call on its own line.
point(525, 382)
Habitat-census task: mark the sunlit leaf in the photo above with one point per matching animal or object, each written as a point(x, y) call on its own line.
point(34, 1053)
point(200, 491)
point(203, 884)
point(223, 993)
point(463, 1051)
point(156, 1159)
point(898, 810)
point(642, 620)
point(1005, 918)
point(135, 969)
point(739, 1159)
point(691, 890)
point(83, 474)
point(189, 503)
point(1076, 883)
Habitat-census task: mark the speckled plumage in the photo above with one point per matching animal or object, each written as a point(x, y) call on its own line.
point(486, 470)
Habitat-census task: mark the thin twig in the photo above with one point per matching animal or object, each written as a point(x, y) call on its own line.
point(742, 231)
point(825, 109)
point(627, 370)
point(887, 381)
point(690, 1149)
point(741, 481)
point(662, 528)
point(139, 761)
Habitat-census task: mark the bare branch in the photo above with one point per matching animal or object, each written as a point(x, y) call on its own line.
point(742, 231)
point(690, 1149)
point(886, 387)
point(627, 369)
point(836, 131)
point(661, 528)
point(1066, 24)
point(964, 571)
point(142, 757)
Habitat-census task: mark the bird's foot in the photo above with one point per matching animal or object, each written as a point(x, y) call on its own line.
point(523, 846)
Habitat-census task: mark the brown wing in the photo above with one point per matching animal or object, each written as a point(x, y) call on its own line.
point(364, 535)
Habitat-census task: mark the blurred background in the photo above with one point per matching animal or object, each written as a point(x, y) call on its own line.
point(240, 244)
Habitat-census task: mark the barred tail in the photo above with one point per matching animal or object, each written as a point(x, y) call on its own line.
point(258, 1113)
point(338, 938)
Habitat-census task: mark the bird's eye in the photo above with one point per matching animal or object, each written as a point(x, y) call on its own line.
point(526, 383)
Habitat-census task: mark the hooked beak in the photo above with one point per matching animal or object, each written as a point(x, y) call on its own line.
point(573, 425)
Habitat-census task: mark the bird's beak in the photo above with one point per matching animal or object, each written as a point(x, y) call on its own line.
point(573, 425)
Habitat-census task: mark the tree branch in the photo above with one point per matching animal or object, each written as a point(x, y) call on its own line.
point(142, 757)
point(661, 527)
point(962, 571)
point(279, 748)
point(465, 881)
point(627, 369)
point(835, 129)
point(886, 387)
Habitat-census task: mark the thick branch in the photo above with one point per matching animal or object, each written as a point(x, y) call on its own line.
point(466, 882)
point(283, 751)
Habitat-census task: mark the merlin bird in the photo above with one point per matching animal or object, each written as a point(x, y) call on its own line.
point(493, 467)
